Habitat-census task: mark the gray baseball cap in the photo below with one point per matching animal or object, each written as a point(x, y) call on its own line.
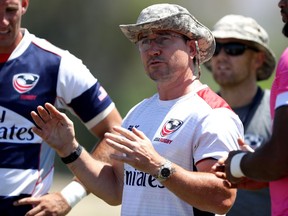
point(246, 29)
point(174, 18)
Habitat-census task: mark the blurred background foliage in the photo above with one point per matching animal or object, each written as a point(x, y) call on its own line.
point(90, 30)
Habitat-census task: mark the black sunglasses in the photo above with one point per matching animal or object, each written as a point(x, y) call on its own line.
point(233, 49)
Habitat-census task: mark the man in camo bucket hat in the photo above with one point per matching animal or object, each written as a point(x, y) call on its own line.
point(246, 29)
point(174, 18)
point(177, 123)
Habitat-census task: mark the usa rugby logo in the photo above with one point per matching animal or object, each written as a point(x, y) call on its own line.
point(171, 126)
point(24, 82)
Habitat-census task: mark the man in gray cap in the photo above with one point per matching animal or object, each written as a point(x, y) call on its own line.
point(243, 57)
point(270, 161)
point(185, 127)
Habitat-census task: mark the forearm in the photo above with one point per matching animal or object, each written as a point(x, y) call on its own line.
point(99, 178)
point(270, 161)
point(266, 164)
point(202, 190)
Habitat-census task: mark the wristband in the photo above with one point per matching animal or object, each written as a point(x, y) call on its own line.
point(73, 193)
point(73, 156)
point(235, 168)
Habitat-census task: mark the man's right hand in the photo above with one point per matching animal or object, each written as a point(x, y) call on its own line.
point(55, 128)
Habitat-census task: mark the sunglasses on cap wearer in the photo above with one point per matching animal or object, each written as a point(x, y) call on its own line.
point(233, 48)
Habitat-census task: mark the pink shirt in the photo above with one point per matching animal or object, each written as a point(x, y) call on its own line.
point(279, 97)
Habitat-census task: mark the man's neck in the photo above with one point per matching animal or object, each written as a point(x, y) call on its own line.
point(238, 97)
point(9, 49)
point(172, 91)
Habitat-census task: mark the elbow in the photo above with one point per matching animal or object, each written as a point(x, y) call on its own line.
point(217, 199)
point(225, 202)
point(111, 200)
point(114, 202)
point(228, 201)
point(221, 209)
point(225, 206)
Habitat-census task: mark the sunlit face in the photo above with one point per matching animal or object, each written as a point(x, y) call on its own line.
point(11, 12)
point(165, 55)
point(229, 70)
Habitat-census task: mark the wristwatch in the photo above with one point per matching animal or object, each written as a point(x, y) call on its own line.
point(165, 171)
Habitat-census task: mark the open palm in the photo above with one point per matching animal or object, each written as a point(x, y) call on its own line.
point(54, 127)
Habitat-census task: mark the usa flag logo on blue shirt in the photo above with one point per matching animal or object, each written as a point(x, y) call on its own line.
point(24, 82)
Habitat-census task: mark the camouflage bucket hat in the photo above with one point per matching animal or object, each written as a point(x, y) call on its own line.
point(246, 29)
point(174, 18)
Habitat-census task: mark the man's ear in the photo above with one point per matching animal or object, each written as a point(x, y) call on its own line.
point(25, 4)
point(192, 47)
point(260, 58)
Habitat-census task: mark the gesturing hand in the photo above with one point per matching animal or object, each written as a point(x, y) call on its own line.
point(222, 168)
point(55, 128)
point(137, 150)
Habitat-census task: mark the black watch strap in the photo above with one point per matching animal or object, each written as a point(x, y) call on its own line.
point(73, 156)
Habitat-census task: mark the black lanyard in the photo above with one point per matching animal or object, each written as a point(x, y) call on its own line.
point(253, 107)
